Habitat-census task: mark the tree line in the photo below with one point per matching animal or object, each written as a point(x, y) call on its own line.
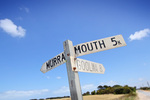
point(116, 89)
point(145, 88)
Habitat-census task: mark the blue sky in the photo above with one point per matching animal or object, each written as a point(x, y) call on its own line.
point(33, 31)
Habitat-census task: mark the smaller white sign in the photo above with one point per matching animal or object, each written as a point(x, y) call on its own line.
point(53, 63)
point(88, 66)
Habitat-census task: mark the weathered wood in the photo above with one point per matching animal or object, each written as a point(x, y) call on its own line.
point(73, 77)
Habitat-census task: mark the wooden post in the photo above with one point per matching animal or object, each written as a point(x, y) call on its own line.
point(73, 77)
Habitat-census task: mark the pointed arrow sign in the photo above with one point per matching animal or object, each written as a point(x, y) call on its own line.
point(99, 45)
point(88, 66)
point(54, 62)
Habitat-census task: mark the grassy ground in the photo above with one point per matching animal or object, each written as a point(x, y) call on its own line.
point(106, 97)
point(129, 98)
point(98, 97)
point(132, 96)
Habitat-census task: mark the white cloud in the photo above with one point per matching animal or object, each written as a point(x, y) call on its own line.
point(140, 82)
point(58, 77)
point(138, 35)
point(17, 94)
point(88, 87)
point(140, 79)
point(62, 90)
point(65, 90)
point(10, 28)
point(109, 83)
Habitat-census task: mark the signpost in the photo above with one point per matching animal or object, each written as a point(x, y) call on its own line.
point(84, 49)
point(73, 77)
point(75, 64)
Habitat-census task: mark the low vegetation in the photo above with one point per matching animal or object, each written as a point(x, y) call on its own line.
point(145, 88)
point(116, 89)
point(129, 92)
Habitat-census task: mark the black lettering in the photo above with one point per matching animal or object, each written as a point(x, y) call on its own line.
point(100, 44)
point(54, 61)
point(49, 64)
point(58, 59)
point(89, 47)
point(63, 57)
point(77, 49)
point(95, 44)
point(83, 47)
point(112, 39)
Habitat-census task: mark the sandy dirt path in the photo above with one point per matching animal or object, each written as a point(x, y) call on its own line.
point(143, 95)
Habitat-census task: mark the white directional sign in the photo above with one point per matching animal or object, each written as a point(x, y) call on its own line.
point(54, 62)
point(84, 49)
point(88, 66)
point(99, 45)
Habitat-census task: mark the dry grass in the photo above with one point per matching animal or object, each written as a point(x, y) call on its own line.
point(97, 97)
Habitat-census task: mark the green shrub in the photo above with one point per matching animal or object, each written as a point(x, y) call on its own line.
point(41, 99)
point(100, 87)
point(118, 90)
point(145, 88)
point(87, 93)
point(103, 92)
point(93, 92)
point(100, 91)
point(126, 90)
point(109, 90)
point(33, 99)
point(105, 86)
point(117, 86)
point(133, 89)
